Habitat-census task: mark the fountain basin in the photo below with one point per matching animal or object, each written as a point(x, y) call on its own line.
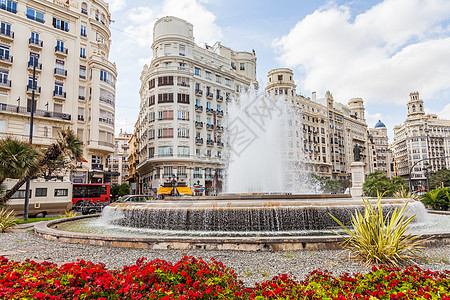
point(95, 231)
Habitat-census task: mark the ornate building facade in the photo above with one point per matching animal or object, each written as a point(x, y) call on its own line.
point(66, 44)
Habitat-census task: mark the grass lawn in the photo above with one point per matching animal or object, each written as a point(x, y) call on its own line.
point(31, 220)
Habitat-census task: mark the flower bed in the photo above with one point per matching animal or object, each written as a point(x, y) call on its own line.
point(192, 278)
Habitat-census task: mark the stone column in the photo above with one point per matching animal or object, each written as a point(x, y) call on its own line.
point(357, 171)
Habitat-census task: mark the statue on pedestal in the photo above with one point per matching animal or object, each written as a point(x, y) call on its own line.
point(357, 153)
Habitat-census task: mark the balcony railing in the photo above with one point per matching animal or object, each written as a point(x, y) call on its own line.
point(107, 144)
point(209, 95)
point(210, 126)
point(61, 50)
point(210, 142)
point(81, 97)
point(209, 110)
point(7, 33)
point(198, 108)
point(35, 42)
point(97, 167)
point(106, 100)
point(106, 121)
point(6, 58)
point(37, 112)
point(220, 144)
point(37, 89)
point(31, 65)
point(199, 141)
point(5, 82)
point(219, 128)
point(59, 94)
point(219, 98)
point(59, 71)
point(84, 11)
point(199, 92)
point(80, 118)
point(220, 113)
point(198, 124)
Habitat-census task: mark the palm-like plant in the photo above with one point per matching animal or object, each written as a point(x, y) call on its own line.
point(378, 239)
point(6, 218)
point(431, 199)
point(67, 144)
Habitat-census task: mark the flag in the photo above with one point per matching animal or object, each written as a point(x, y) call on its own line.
point(82, 159)
point(254, 53)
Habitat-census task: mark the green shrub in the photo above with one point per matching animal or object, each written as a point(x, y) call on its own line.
point(438, 199)
point(6, 218)
point(68, 214)
point(380, 239)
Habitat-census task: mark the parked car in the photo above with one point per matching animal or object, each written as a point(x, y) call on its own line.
point(135, 198)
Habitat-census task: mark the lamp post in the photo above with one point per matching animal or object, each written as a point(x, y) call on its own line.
point(424, 159)
point(174, 181)
point(27, 185)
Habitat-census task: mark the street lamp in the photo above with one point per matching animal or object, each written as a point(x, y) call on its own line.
point(424, 159)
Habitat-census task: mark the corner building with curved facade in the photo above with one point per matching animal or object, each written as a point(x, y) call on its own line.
point(184, 94)
point(68, 44)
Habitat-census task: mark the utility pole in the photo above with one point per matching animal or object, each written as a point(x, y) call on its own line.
point(27, 185)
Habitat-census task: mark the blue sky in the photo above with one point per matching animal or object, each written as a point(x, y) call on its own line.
point(377, 50)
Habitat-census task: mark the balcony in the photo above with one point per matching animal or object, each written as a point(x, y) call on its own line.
point(80, 118)
point(37, 112)
point(209, 95)
point(84, 11)
point(60, 73)
point(6, 59)
point(220, 128)
point(97, 167)
point(209, 110)
point(5, 83)
point(37, 89)
point(210, 142)
point(220, 144)
point(31, 66)
point(59, 94)
point(199, 141)
point(6, 35)
point(107, 101)
point(219, 98)
point(198, 124)
point(81, 97)
point(198, 92)
point(106, 121)
point(210, 126)
point(61, 51)
point(106, 144)
point(219, 113)
point(35, 43)
point(198, 108)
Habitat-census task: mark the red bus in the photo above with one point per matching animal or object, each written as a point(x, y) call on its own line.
point(94, 192)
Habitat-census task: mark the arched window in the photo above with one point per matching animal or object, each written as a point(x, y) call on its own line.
point(84, 8)
point(45, 131)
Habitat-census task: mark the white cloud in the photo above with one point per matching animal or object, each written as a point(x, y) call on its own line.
point(116, 5)
point(396, 47)
point(445, 112)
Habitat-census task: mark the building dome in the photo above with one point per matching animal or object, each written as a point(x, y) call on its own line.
point(379, 124)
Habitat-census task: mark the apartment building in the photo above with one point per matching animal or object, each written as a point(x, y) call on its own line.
point(380, 153)
point(325, 133)
point(422, 144)
point(118, 164)
point(184, 94)
point(65, 44)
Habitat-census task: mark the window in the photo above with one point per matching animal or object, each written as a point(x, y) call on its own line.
point(61, 192)
point(106, 117)
point(4, 52)
point(208, 105)
point(165, 115)
point(151, 84)
point(60, 24)
point(108, 78)
point(182, 51)
point(30, 83)
point(83, 30)
point(8, 5)
point(183, 98)
point(58, 88)
point(227, 82)
point(165, 151)
point(151, 100)
point(80, 113)
point(82, 93)
point(5, 29)
point(4, 77)
point(183, 81)
point(35, 15)
point(84, 8)
point(183, 115)
point(208, 121)
point(183, 151)
point(20, 194)
point(82, 72)
point(107, 97)
point(183, 132)
point(59, 46)
point(198, 171)
point(218, 108)
point(34, 38)
point(165, 80)
point(2, 125)
point(233, 65)
point(164, 133)
point(165, 98)
point(82, 52)
point(197, 71)
point(207, 75)
point(242, 66)
point(166, 49)
point(218, 80)
point(41, 192)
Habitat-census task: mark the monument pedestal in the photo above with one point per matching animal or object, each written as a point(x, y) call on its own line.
point(357, 171)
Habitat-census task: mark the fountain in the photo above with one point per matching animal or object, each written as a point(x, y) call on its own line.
point(261, 209)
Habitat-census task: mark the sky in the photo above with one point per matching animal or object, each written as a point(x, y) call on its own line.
point(377, 50)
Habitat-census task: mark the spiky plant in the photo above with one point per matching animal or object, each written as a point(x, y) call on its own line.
point(406, 193)
point(68, 214)
point(6, 218)
point(432, 199)
point(375, 238)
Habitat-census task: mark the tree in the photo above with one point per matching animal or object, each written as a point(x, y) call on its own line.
point(67, 145)
point(378, 183)
point(120, 190)
point(440, 177)
point(17, 160)
point(328, 185)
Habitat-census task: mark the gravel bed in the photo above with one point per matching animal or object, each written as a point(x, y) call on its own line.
point(251, 267)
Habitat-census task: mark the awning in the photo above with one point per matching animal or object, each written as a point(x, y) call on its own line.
point(184, 191)
point(165, 190)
